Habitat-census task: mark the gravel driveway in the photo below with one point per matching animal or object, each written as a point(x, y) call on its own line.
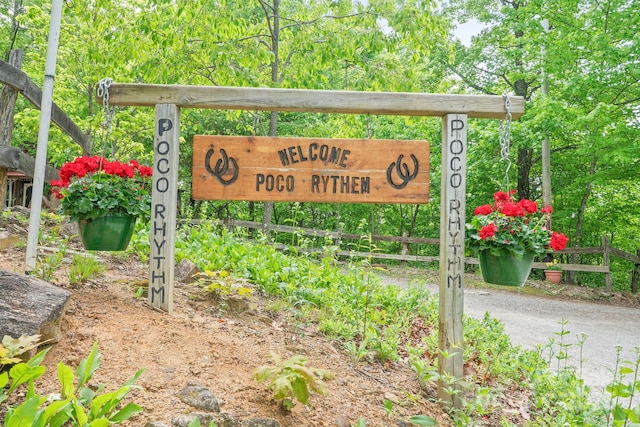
point(532, 320)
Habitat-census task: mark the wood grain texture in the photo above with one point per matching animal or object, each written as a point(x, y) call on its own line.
point(323, 101)
point(310, 170)
point(451, 269)
point(15, 158)
point(19, 80)
point(164, 201)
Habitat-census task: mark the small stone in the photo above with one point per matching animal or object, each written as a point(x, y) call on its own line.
point(225, 419)
point(392, 398)
point(185, 271)
point(155, 424)
point(199, 398)
point(260, 422)
point(343, 421)
point(183, 420)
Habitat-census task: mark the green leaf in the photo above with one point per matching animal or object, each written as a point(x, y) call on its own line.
point(85, 395)
point(125, 413)
point(25, 414)
point(31, 391)
point(281, 388)
point(4, 379)
point(88, 365)
point(263, 373)
point(99, 405)
point(422, 420)
point(135, 377)
point(65, 376)
point(22, 372)
point(81, 415)
point(300, 390)
point(57, 413)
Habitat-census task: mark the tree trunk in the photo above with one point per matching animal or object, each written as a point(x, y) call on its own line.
point(8, 99)
point(571, 275)
point(267, 215)
point(275, 49)
point(525, 159)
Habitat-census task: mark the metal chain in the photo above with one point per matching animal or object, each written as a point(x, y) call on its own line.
point(103, 92)
point(109, 112)
point(505, 138)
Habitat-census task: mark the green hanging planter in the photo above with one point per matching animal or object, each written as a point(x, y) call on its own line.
point(505, 270)
point(107, 233)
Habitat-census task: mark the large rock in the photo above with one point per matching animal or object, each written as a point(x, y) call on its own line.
point(30, 306)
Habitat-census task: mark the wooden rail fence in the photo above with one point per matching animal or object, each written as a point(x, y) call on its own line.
point(337, 237)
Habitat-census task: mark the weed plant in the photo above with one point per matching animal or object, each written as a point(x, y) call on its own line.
point(83, 268)
point(291, 381)
point(47, 266)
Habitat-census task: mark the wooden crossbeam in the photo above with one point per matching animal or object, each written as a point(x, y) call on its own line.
point(319, 101)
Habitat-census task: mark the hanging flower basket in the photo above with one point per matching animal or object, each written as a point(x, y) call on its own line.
point(107, 233)
point(105, 197)
point(508, 235)
point(506, 270)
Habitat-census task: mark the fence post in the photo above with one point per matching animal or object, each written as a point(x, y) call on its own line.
point(337, 242)
point(405, 247)
point(607, 275)
point(636, 275)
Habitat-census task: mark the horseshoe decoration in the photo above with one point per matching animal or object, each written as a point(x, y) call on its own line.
point(402, 172)
point(222, 166)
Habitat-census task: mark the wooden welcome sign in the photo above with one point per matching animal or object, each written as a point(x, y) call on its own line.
point(310, 169)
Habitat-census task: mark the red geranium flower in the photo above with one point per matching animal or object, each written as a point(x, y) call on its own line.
point(483, 210)
point(488, 231)
point(558, 241)
point(501, 196)
point(528, 205)
point(512, 209)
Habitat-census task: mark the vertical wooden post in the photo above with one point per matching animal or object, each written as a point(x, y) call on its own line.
point(164, 206)
point(452, 225)
point(405, 247)
point(606, 255)
point(8, 99)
